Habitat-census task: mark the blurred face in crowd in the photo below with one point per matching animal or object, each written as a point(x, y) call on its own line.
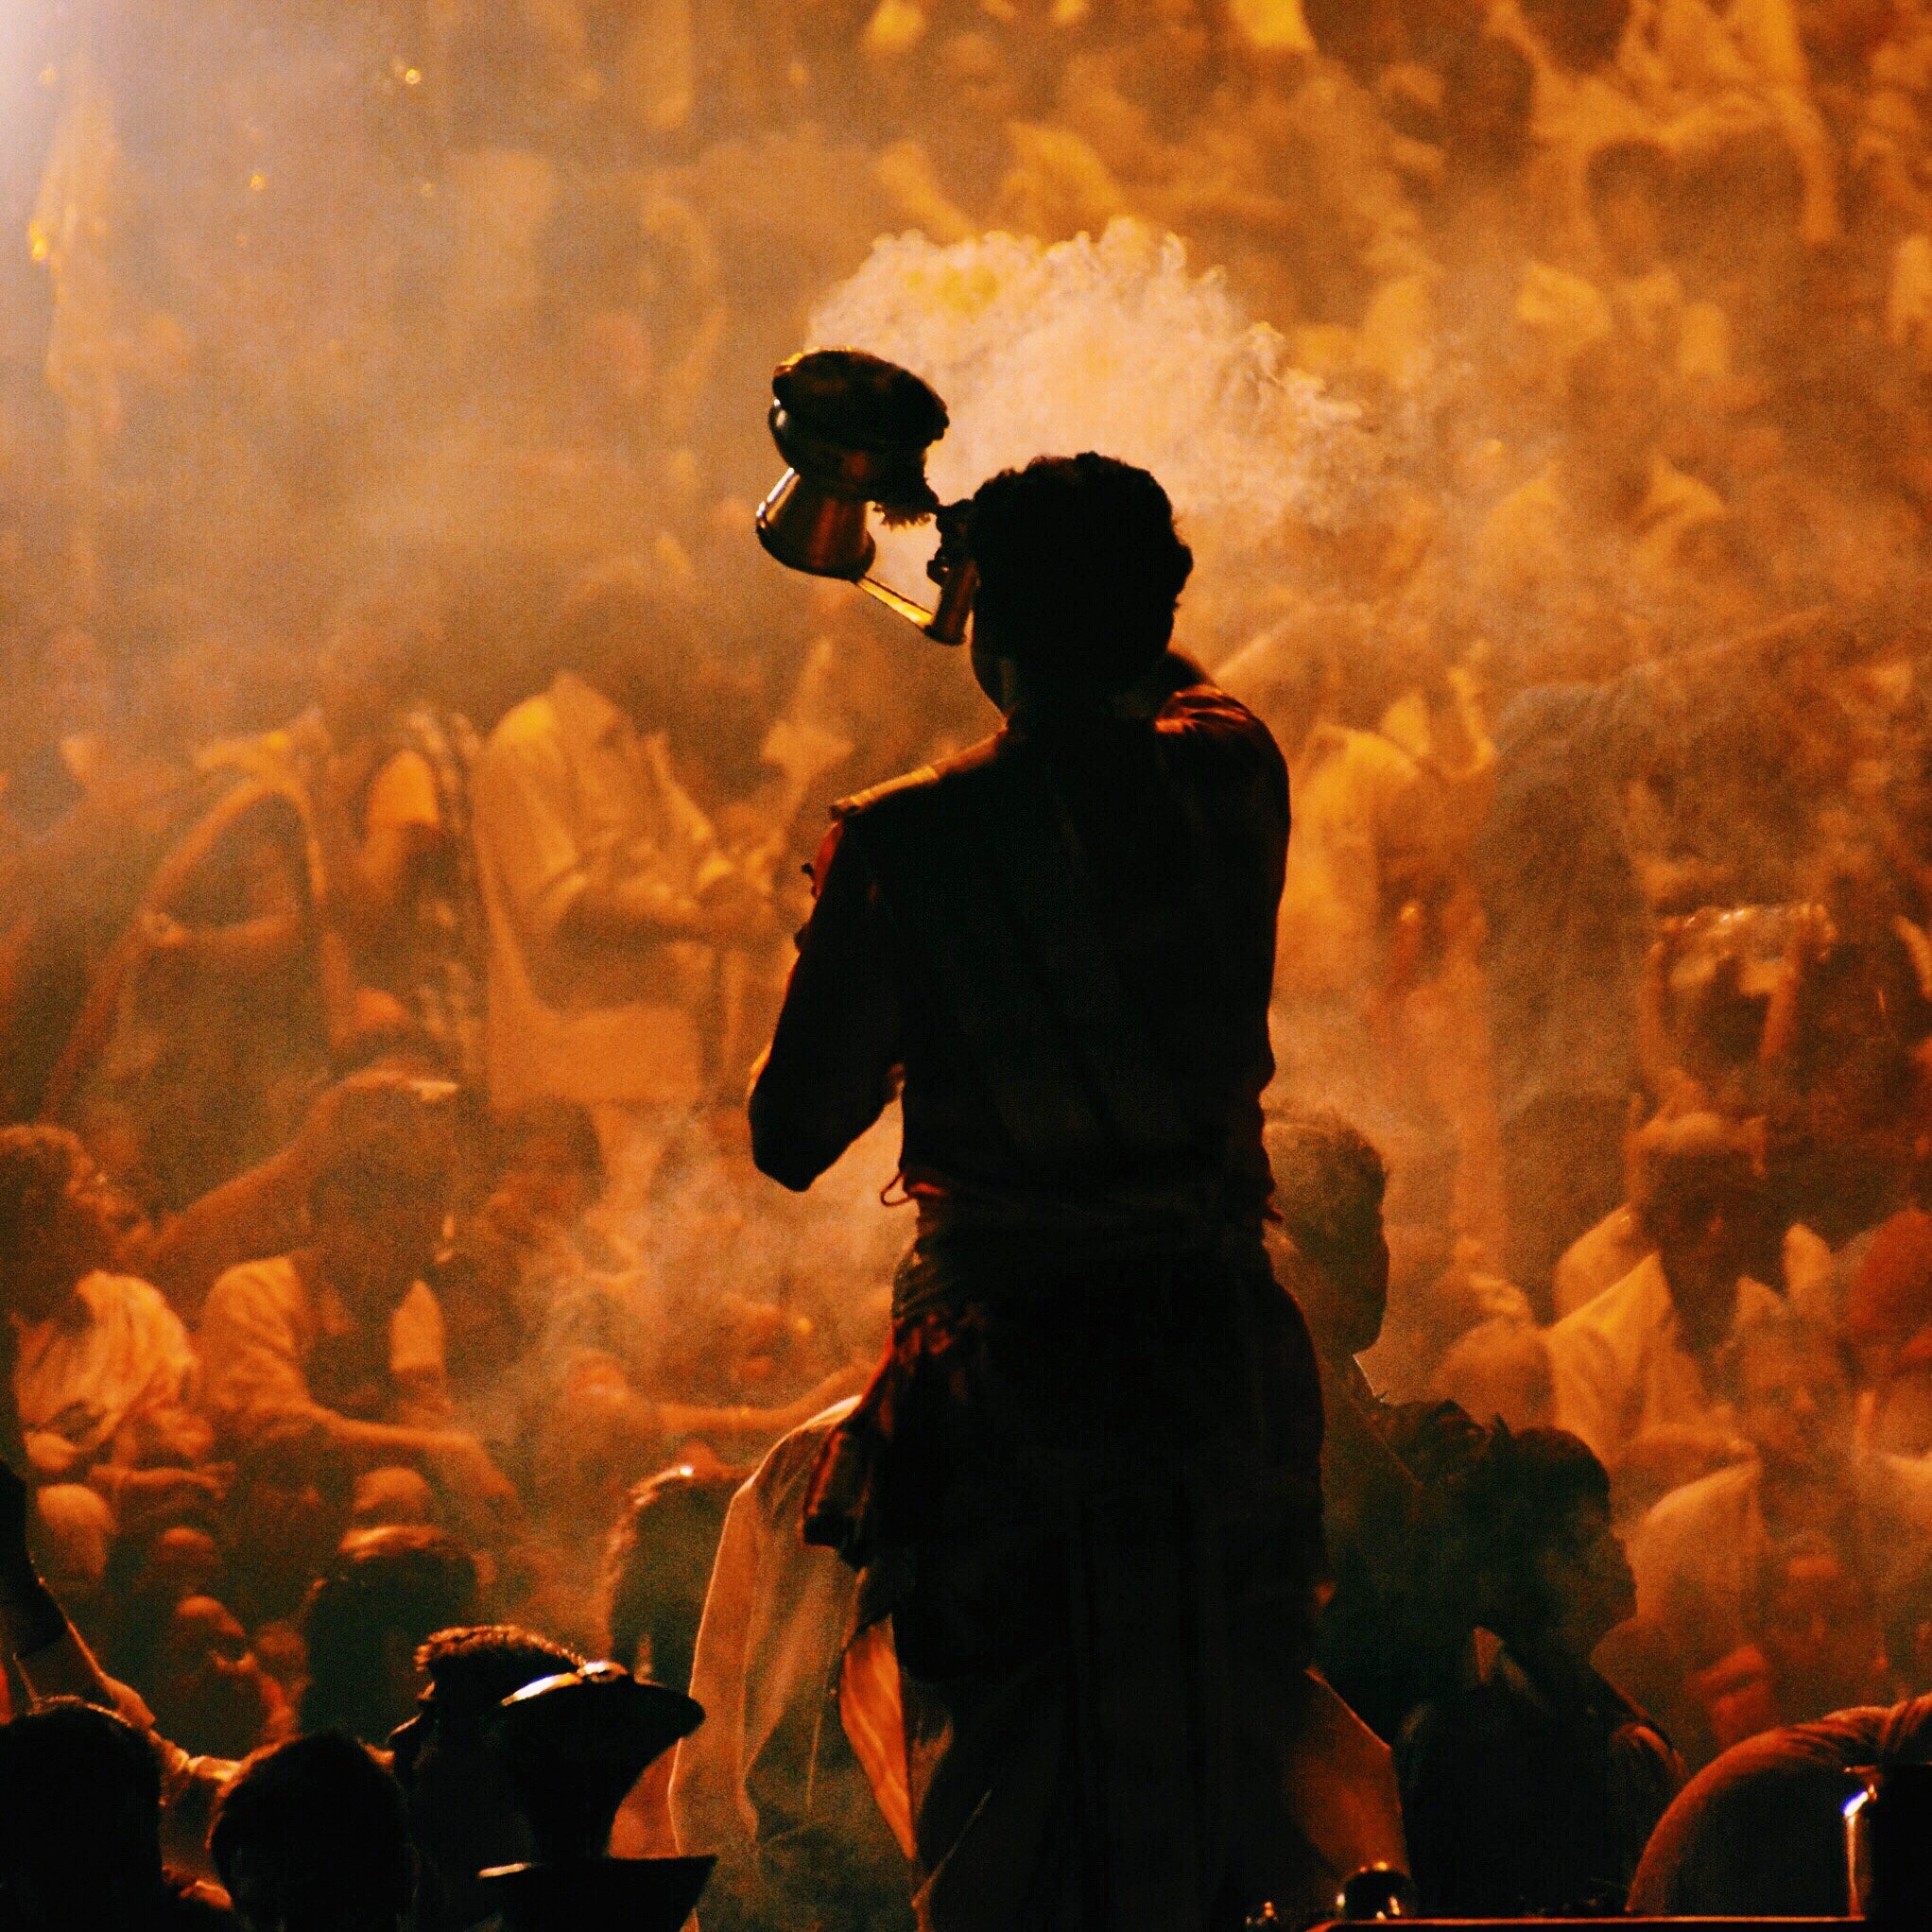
point(1794, 1406)
point(1345, 1295)
point(1615, 416)
point(1700, 1218)
point(208, 1692)
point(374, 1248)
point(1632, 226)
point(359, 673)
point(288, 1520)
point(81, 684)
point(1821, 1635)
point(542, 1187)
point(1586, 1580)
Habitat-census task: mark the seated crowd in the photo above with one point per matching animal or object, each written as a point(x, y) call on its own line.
point(273, 1564)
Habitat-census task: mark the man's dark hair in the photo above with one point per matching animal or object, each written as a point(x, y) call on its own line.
point(1516, 1500)
point(1642, 166)
point(471, 1670)
point(368, 1171)
point(632, 611)
point(400, 1582)
point(1489, 88)
point(1582, 34)
point(38, 1164)
point(332, 1825)
point(1794, 1335)
point(290, 1453)
point(1695, 1155)
point(1329, 1180)
point(79, 1801)
point(1079, 569)
point(657, 1569)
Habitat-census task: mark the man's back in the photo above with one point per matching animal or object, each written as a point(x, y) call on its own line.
point(1065, 938)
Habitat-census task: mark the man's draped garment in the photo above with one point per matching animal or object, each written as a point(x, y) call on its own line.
point(1085, 1482)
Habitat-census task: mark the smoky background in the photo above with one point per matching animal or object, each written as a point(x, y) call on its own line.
point(454, 300)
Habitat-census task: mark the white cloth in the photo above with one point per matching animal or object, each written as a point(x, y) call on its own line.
point(769, 1784)
point(1620, 1366)
point(108, 1375)
point(568, 789)
point(1698, 1554)
point(770, 1787)
point(1597, 1259)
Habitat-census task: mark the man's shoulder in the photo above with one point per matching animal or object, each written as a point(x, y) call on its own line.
point(778, 1483)
point(1695, 1511)
point(912, 792)
point(269, 1282)
point(536, 716)
point(1212, 740)
point(1634, 1298)
point(534, 730)
point(108, 1295)
point(1899, 1483)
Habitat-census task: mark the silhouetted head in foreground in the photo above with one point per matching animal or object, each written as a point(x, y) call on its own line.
point(463, 1813)
point(79, 1822)
point(1329, 1185)
point(311, 1837)
point(1080, 571)
point(388, 1591)
point(1539, 1561)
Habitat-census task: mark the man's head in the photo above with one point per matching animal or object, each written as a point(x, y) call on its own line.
point(1615, 416)
point(1630, 183)
point(312, 1837)
point(1818, 1627)
point(287, 1512)
point(463, 1814)
point(1889, 1304)
point(1080, 571)
point(56, 1222)
point(626, 628)
point(1541, 1564)
point(367, 1619)
point(1582, 35)
point(657, 1569)
point(376, 648)
point(1790, 1384)
point(208, 1692)
point(1329, 1183)
point(550, 1168)
point(79, 1821)
point(1696, 1190)
point(376, 1208)
point(1499, 1370)
point(1488, 93)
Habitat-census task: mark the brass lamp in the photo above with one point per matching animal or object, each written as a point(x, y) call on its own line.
point(854, 430)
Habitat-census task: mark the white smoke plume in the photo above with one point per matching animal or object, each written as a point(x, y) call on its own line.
point(1114, 345)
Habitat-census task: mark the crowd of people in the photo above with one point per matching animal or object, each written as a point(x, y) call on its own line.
point(393, 1309)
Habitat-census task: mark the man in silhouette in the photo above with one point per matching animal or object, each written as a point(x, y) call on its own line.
point(1084, 1485)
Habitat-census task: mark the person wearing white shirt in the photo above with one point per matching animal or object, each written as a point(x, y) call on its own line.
point(1635, 1370)
point(604, 883)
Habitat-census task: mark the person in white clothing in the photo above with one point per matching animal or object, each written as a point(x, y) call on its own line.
point(604, 883)
point(102, 1374)
point(1635, 1370)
